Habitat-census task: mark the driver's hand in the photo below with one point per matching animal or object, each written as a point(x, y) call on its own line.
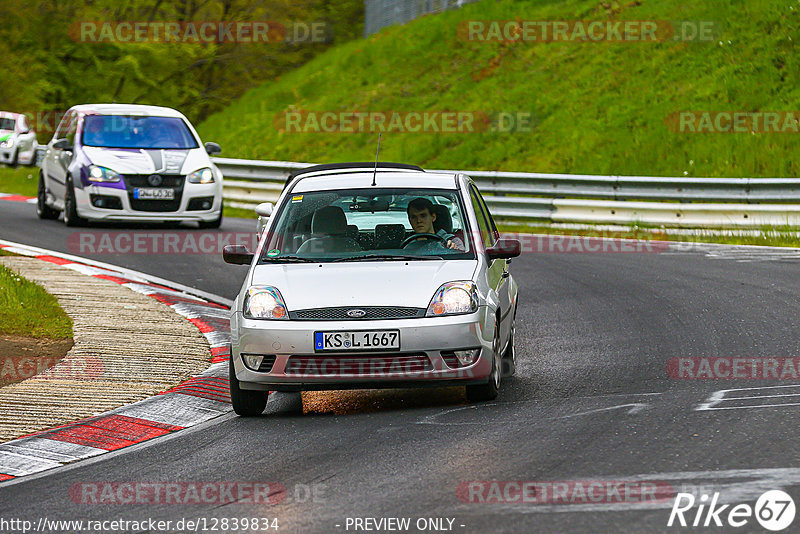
point(451, 244)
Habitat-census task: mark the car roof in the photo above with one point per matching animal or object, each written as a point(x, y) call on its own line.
point(126, 109)
point(360, 178)
point(9, 115)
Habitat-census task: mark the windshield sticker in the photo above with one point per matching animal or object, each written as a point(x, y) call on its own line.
point(274, 252)
point(297, 198)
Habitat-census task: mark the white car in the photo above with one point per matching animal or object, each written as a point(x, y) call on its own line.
point(17, 140)
point(125, 162)
point(373, 279)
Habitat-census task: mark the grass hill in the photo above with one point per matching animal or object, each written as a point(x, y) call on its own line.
point(599, 107)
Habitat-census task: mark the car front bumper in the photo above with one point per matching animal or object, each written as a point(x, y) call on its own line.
point(428, 336)
point(88, 211)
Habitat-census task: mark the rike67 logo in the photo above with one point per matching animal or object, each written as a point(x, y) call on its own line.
point(774, 511)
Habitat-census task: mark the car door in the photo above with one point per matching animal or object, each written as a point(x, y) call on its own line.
point(496, 268)
point(57, 160)
point(497, 272)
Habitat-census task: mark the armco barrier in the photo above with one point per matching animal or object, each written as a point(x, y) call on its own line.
point(543, 197)
point(571, 198)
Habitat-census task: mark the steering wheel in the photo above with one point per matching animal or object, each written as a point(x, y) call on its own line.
point(426, 236)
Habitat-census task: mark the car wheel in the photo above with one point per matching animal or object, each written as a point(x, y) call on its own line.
point(13, 162)
point(42, 209)
point(509, 361)
point(245, 402)
point(71, 217)
point(211, 225)
point(488, 391)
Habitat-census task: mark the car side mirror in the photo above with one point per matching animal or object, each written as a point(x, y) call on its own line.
point(264, 209)
point(212, 148)
point(504, 249)
point(264, 212)
point(237, 255)
point(62, 144)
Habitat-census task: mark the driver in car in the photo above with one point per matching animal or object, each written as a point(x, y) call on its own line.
point(421, 216)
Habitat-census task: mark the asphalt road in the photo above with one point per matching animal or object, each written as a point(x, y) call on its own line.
point(592, 401)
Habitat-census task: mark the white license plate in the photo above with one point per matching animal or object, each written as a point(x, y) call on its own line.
point(358, 340)
point(153, 194)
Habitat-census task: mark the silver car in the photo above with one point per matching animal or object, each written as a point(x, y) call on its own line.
point(373, 278)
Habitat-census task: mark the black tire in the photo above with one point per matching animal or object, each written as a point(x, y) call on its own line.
point(71, 217)
point(211, 225)
point(489, 390)
point(13, 162)
point(509, 361)
point(42, 209)
point(246, 402)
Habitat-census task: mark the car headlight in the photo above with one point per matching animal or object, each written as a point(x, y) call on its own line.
point(264, 302)
point(454, 298)
point(7, 143)
point(202, 176)
point(102, 174)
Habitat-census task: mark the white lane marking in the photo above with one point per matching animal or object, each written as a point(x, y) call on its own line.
point(16, 464)
point(635, 408)
point(176, 409)
point(434, 418)
point(50, 449)
point(750, 485)
point(719, 397)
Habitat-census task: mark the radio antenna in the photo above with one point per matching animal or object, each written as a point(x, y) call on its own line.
point(375, 172)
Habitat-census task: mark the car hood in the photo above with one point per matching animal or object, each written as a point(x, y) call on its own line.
point(392, 283)
point(148, 161)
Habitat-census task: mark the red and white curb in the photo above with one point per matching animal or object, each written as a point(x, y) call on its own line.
point(17, 198)
point(195, 401)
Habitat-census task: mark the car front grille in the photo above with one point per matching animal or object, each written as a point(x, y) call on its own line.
point(396, 365)
point(370, 313)
point(168, 181)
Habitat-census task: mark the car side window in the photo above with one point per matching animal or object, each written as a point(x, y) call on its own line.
point(483, 225)
point(72, 128)
point(61, 130)
point(495, 233)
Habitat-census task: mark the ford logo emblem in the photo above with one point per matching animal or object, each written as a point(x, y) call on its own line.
point(356, 314)
point(155, 180)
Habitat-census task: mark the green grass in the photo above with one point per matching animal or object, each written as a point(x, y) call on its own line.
point(600, 108)
point(26, 309)
point(19, 181)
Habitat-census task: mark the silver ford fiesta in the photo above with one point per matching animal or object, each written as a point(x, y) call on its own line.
point(372, 276)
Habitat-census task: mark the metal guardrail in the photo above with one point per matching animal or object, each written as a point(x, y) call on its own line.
point(541, 197)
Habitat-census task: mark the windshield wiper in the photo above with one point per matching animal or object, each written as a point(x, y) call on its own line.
point(288, 259)
point(390, 257)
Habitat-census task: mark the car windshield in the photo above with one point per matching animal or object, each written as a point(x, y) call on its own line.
point(122, 131)
point(7, 124)
point(377, 224)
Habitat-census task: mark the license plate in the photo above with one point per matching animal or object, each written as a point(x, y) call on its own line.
point(153, 194)
point(358, 340)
